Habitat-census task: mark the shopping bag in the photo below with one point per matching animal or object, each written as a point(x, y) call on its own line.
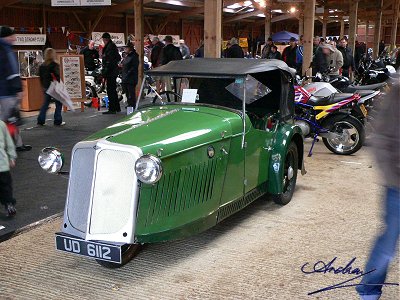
point(58, 91)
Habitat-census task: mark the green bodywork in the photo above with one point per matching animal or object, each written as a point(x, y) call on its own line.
point(197, 191)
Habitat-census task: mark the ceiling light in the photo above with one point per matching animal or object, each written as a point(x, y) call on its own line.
point(292, 9)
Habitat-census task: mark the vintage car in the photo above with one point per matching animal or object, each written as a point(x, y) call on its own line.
point(173, 169)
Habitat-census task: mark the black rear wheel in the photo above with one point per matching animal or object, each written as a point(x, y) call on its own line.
point(129, 251)
point(289, 176)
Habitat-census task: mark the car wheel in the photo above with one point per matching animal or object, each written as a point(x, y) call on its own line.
point(289, 176)
point(129, 251)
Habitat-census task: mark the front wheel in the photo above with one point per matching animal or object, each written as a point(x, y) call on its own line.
point(129, 251)
point(350, 135)
point(289, 176)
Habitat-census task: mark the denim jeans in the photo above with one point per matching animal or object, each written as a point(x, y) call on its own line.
point(383, 250)
point(57, 113)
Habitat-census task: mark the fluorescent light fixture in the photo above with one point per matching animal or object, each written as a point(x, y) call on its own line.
point(233, 6)
point(261, 15)
point(279, 11)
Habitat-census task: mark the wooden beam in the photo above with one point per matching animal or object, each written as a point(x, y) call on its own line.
point(309, 14)
point(353, 21)
point(212, 28)
point(149, 24)
point(96, 22)
point(377, 29)
point(341, 27)
point(253, 13)
point(79, 21)
point(396, 11)
point(301, 25)
point(5, 3)
point(267, 23)
point(139, 36)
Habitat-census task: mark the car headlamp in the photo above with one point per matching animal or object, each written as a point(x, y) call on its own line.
point(51, 160)
point(148, 169)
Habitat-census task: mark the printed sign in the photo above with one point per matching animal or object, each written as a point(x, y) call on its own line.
point(65, 2)
point(117, 38)
point(71, 71)
point(30, 39)
point(243, 42)
point(95, 2)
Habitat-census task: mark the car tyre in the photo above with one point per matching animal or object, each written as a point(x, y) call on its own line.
point(129, 251)
point(289, 176)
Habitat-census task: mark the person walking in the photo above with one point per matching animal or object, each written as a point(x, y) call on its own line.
point(110, 61)
point(335, 60)
point(10, 84)
point(89, 55)
point(48, 71)
point(274, 53)
point(289, 54)
point(348, 59)
point(130, 66)
point(7, 161)
point(387, 156)
point(234, 50)
point(267, 48)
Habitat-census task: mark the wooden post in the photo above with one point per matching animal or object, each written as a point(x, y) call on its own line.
point(212, 28)
point(366, 34)
point(267, 23)
point(139, 35)
point(309, 15)
point(324, 24)
point(377, 29)
point(341, 27)
point(301, 24)
point(353, 23)
point(395, 22)
point(126, 27)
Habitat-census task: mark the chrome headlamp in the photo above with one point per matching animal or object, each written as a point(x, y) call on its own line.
point(51, 160)
point(148, 169)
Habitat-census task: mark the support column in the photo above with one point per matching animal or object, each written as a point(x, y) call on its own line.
point(126, 27)
point(267, 23)
point(377, 29)
point(395, 23)
point(324, 24)
point(301, 24)
point(366, 34)
point(341, 27)
point(139, 35)
point(309, 15)
point(353, 23)
point(212, 28)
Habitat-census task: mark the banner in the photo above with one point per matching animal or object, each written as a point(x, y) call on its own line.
point(117, 38)
point(65, 2)
point(30, 39)
point(95, 2)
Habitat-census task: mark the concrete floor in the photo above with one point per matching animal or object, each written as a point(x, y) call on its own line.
point(255, 254)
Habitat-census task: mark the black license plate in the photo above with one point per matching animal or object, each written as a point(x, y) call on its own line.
point(102, 251)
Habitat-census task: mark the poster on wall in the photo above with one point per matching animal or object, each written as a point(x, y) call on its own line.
point(65, 2)
point(30, 39)
point(95, 2)
point(73, 76)
point(117, 38)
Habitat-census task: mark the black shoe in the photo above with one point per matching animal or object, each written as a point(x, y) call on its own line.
point(10, 210)
point(40, 124)
point(109, 112)
point(24, 148)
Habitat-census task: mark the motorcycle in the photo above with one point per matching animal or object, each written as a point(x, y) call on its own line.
point(331, 118)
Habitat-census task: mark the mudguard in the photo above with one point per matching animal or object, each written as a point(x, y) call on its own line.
point(283, 137)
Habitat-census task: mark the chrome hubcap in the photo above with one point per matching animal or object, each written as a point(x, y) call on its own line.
point(347, 139)
point(290, 173)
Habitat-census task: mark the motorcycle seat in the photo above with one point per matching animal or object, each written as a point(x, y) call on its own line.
point(353, 88)
point(363, 93)
point(332, 99)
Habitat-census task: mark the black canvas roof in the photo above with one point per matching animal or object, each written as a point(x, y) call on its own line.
point(220, 67)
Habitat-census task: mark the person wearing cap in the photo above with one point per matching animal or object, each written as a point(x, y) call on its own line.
point(335, 60)
point(320, 60)
point(267, 48)
point(289, 53)
point(185, 51)
point(10, 84)
point(110, 71)
point(130, 70)
point(170, 52)
point(234, 50)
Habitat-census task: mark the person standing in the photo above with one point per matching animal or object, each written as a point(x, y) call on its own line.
point(10, 83)
point(335, 60)
point(111, 59)
point(316, 43)
point(169, 53)
point(89, 55)
point(289, 54)
point(185, 51)
point(155, 58)
point(234, 50)
point(199, 53)
point(7, 161)
point(267, 48)
point(274, 53)
point(130, 66)
point(387, 156)
point(381, 47)
point(49, 71)
point(348, 59)
point(299, 56)
point(320, 59)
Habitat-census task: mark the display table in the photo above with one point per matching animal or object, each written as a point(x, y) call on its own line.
point(33, 93)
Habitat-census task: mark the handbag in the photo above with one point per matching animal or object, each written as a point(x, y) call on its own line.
point(58, 91)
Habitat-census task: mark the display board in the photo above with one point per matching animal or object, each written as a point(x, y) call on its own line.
point(73, 75)
point(30, 39)
point(117, 37)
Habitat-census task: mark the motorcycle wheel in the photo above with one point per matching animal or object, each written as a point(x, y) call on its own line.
point(289, 176)
point(129, 251)
point(352, 135)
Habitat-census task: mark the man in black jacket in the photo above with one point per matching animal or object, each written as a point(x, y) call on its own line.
point(130, 66)
point(89, 55)
point(155, 58)
point(289, 54)
point(234, 51)
point(169, 53)
point(320, 60)
point(110, 72)
point(348, 59)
